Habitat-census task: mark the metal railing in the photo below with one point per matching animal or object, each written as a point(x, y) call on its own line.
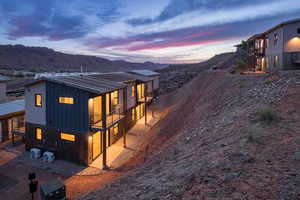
point(113, 117)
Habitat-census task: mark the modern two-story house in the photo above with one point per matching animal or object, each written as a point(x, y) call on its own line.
point(74, 117)
point(277, 48)
point(78, 117)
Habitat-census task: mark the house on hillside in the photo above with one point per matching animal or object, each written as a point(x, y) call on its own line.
point(276, 49)
point(78, 117)
point(12, 120)
point(3, 81)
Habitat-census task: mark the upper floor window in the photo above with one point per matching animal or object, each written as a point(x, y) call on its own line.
point(67, 136)
point(132, 91)
point(66, 100)
point(276, 38)
point(266, 43)
point(38, 133)
point(298, 30)
point(38, 100)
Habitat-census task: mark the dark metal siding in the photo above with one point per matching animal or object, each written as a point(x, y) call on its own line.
point(67, 117)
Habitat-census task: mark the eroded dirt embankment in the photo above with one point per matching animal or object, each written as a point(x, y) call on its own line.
point(212, 144)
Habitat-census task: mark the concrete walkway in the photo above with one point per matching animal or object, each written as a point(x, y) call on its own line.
point(117, 154)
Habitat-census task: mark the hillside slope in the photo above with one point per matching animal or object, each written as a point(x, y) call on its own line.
point(45, 59)
point(213, 145)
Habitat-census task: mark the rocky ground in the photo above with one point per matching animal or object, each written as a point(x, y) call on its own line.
point(214, 144)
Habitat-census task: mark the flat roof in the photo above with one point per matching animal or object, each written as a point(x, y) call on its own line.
point(121, 77)
point(3, 78)
point(86, 83)
point(145, 72)
point(12, 107)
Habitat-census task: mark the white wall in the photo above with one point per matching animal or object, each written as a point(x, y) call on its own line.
point(2, 92)
point(35, 115)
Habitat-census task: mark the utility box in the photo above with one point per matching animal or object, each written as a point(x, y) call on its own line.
point(54, 190)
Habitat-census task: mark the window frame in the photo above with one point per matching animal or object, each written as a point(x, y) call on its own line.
point(35, 100)
point(63, 98)
point(67, 134)
point(276, 38)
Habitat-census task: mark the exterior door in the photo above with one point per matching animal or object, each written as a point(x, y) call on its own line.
point(96, 144)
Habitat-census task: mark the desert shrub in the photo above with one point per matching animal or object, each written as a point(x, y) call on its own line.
point(240, 66)
point(266, 114)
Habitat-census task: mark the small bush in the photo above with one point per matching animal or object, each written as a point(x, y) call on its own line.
point(266, 114)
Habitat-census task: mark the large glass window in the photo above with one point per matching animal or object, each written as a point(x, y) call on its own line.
point(132, 91)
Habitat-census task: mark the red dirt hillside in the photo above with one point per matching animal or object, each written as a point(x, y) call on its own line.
point(226, 137)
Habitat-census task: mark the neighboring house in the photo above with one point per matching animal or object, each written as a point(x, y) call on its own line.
point(3, 81)
point(276, 49)
point(12, 120)
point(151, 74)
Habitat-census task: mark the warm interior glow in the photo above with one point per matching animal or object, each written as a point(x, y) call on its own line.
point(67, 136)
point(66, 100)
point(141, 90)
point(38, 133)
point(96, 138)
point(38, 100)
point(293, 45)
point(132, 91)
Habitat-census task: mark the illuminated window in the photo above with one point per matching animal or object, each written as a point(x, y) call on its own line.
point(38, 133)
point(133, 114)
point(38, 100)
point(132, 91)
point(66, 100)
point(267, 43)
point(116, 129)
point(67, 136)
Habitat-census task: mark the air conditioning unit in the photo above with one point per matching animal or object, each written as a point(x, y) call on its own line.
point(48, 157)
point(35, 153)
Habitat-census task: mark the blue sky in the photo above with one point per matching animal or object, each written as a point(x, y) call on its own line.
point(165, 31)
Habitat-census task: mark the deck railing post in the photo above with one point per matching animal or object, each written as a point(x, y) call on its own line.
point(104, 130)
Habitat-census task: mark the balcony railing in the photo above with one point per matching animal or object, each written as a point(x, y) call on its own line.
point(114, 117)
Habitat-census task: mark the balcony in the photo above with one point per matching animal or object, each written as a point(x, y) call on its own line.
point(114, 117)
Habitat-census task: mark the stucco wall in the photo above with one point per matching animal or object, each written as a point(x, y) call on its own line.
point(131, 100)
point(36, 115)
point(156, 83)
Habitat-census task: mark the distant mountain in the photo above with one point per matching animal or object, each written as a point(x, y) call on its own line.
point(45, 59)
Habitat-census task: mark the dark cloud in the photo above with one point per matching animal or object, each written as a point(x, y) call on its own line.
point(50, 19)
point(178, 7)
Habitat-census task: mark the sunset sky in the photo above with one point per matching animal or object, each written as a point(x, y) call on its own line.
point(165, 31)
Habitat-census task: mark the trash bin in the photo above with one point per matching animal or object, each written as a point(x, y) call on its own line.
point(53, 190)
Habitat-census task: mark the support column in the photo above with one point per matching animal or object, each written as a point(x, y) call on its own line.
point(124, 136)
point(145, 93)
point(104, 131)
